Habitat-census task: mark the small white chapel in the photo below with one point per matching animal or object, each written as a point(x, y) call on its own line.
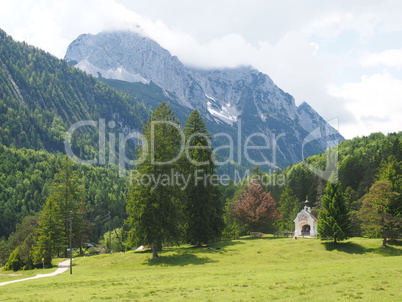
point(305, 222)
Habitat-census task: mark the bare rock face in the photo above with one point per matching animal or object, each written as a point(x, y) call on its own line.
point(237, 98)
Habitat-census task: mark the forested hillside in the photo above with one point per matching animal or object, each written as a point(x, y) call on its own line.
point(42, 96)
point(25, 183)
point(362, 162)
point(359, 161)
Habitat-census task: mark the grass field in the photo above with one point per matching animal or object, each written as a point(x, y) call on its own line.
point(249, 269)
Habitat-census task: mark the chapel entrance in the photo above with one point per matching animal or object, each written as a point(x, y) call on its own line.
point(305, 230)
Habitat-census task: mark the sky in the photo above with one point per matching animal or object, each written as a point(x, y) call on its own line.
point(342, 57)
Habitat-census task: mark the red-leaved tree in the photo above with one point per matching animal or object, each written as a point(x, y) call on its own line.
point(256, 208)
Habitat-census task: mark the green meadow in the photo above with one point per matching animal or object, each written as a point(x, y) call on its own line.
point(248, 269)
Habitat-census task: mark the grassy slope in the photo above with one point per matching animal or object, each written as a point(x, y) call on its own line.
point(260, 269)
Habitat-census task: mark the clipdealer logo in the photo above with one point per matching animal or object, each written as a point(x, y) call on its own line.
point(267, 148)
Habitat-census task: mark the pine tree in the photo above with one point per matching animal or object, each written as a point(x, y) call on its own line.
point(334, 222)
point(256, 208)
point(153, 206)
point(204, 206)
point(51, 239)
point(67, 192)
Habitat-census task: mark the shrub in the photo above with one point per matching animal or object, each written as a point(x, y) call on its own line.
point(14, 261)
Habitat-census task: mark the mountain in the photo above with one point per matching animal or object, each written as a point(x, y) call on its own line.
point(242, 104)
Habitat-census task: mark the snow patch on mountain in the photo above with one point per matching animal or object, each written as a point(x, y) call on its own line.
point(225, 112)
point(119, 73)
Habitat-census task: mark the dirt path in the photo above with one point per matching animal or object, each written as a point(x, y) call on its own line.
point(61, 268)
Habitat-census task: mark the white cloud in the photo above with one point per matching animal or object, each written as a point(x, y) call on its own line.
point(52, 24)
point(376, 102)
point(389, 57)
point(331, 24)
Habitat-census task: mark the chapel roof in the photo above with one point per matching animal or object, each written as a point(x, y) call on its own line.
point(307, 213)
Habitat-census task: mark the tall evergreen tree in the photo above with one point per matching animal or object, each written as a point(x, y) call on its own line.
point(51, 239)
point(204, 206)
point(334, 222)
point(67, 192)
point(153, 206)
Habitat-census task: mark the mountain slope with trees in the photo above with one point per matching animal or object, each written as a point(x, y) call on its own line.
point(26, 178)
point(362, 161)
point(42, 96)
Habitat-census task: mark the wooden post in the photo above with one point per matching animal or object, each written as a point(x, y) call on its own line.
point(71, 247)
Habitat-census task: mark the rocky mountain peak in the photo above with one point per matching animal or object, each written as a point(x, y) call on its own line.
point(223, 96)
